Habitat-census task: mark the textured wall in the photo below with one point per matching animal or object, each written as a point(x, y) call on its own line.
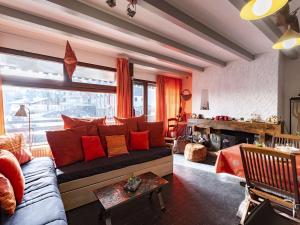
point(240, 89)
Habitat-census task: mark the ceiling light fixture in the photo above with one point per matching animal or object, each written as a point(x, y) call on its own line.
point(257, 9)
point(131, 8)
point(288, 40)
point(111, 3)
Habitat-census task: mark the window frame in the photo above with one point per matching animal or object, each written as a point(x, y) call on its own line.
point(66, 84)
point(145, 84)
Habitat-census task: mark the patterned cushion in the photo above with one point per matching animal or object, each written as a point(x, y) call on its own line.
point(78, 122)
point(116, 145)
point(132, 123)
point(11, 169)
point(156, 133)
point(15, 143)
point(7, 196)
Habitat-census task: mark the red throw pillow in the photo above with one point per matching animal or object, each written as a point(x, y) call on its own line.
point(132, 123)
point(156, 133)
point(7, 196)
point(70, 122)
point(15, 143)
point(112, 130)
point(66, 145)
point(11, 169)
point(92, 148)
point(139, 140)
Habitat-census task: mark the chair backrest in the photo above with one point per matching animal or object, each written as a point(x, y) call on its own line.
point(286, 139)
point(172, 124)
point(270, 170)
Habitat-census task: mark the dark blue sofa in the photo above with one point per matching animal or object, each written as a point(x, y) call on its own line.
point(42, 203)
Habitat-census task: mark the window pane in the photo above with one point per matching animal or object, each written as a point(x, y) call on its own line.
point(138, 99)
point(94, 76)
point(47, 105)
point(29, 67)
point(151, 102)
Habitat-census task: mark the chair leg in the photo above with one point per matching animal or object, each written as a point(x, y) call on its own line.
point(245, 213)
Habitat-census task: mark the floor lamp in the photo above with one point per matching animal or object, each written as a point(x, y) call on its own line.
point(22, 112)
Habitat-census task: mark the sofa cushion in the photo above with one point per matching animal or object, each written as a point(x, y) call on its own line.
point(42, 203)
point(66, 145)
point(156, 133)
point(102, 165)
point(111, 130)
point(10, 168)
point(15, 143)
point(116, 145)
point(70, 122)
point(92, 148)
point(7, 196)
point(139, 140)
point(132, 123)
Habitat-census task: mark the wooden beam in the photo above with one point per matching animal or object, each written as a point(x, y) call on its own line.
point(116, 23)
point(166, 10)
point(69, 30)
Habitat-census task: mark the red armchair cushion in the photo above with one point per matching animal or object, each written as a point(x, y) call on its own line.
point(132, 123)
point(70, 122)
point(156, 132)
point(139, 140)
point(92, 148)
point(11, 169)
point(7, 196)
point(66, 145)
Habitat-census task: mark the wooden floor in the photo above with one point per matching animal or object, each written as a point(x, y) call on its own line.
point(195, 196)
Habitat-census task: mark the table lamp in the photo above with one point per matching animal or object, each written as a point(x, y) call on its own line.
point(22, 112)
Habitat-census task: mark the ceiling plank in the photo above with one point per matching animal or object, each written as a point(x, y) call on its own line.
point(268, 28)
point(166, 10)
point(12, 13)
point(125, 26)
point(159, 67)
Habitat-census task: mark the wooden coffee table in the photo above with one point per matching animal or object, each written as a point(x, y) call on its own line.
point(114, 195)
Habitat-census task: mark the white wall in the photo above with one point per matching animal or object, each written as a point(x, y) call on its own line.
point(240, 89)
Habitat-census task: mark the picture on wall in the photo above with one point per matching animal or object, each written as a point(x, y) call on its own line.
point(204, 100)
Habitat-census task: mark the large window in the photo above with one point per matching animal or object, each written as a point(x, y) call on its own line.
point(144, 99)
point(42, 85)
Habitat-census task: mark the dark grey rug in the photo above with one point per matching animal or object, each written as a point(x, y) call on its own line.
point(193, 197)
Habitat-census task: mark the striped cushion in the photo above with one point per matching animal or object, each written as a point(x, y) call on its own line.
point(15, 143)
point(7, 196)
point(116, 145)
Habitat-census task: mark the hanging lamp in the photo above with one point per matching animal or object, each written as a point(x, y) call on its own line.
point(257, 9)
point(288, 40)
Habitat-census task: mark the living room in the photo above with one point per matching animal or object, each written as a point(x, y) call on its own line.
point(149, 112)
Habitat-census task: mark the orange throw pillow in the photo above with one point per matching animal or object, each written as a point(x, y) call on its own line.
point(15, 143)
point(156, 133)
point(92, 148)
point(116, 145)
point(7, 196)
point(11, 169)
point(70, 122)
point(132, 123)
point(139, 140)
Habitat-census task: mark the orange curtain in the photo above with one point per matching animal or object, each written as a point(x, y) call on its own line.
point(2, 127)
point(123, 89)
point(168, 98)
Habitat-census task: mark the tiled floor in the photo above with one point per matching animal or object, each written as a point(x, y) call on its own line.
point(195, 196)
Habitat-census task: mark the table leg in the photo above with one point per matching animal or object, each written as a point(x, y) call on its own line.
point(161, 200)
point(107, 217)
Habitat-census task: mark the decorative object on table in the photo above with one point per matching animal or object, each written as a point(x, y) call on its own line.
point(70, 60)
point(195, 152)
point(132, 184)
point(200, 116)
point(294, 115)
point(255, 117)
point(273, 119)
point(185, 95)
point(223, 118)
point(194, 116)
point(22, 112)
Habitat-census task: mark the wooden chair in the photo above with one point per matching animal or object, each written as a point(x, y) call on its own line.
point(172, 127)
point(271, 174)
point(286, 139)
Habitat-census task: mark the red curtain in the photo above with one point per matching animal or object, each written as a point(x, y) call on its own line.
point(2, 127)
point(168, 98)
point(123, 89)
